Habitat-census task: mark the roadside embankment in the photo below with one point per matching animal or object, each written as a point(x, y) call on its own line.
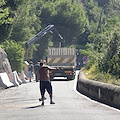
point(106, 93)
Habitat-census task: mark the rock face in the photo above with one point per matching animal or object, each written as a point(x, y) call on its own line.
point(4, 64)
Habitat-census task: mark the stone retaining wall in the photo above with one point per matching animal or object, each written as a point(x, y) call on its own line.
point(106, 93)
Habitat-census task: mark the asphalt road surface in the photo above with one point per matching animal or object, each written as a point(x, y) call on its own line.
point(21, 103)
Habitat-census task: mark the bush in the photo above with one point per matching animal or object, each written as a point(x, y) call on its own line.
point(15, 54)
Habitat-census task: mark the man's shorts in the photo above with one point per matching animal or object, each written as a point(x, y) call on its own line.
point(29, 74)
point(45, 85)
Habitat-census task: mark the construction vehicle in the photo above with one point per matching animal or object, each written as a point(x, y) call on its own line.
point(48, 29)
point(62, 58)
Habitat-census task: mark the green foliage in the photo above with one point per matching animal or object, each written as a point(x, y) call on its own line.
point(5, 21)
point(77, 21)
point(23, 28)
point(69, 19)
point(105, 47)
point(4, 14)
point(110, 60)
point(41, 51)
point(114, 65)
point(91, 54)
point(47, 11)
point(71, 16)
point(26, 23)
point(93, 13)
point(15, 54)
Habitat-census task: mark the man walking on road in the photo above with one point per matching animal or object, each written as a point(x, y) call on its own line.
point(45, 83)
point(30, 70)
point(36, 70)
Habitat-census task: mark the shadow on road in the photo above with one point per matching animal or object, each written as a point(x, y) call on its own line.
point(31, 107)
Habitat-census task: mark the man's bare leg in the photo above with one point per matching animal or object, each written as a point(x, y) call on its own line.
point(42, 100)
point(51, 102)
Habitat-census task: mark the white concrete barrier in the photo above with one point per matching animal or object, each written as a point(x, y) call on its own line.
point(18, 79)
point(4, 81)
point(14, 81)
point(102, 92)
point(23, 77)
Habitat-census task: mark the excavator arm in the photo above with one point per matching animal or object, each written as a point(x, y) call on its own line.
point(49, 28)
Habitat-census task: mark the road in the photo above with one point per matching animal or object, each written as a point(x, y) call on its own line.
point(21, 103)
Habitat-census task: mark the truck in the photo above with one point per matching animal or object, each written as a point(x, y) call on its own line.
point(63, 58)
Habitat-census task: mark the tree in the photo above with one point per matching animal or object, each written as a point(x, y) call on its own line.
point(114, 65)
point(23, 28)
point(15, 53)
point(92, 11)
point(66, 17)
point(5, 21)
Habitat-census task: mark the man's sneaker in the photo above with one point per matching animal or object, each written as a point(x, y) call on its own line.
point(42, 103)
point(40, 99)
point(52, 102)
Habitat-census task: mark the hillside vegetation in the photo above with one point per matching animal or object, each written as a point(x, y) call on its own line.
point(92, 26)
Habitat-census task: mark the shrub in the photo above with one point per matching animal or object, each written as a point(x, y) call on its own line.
point(15, 54)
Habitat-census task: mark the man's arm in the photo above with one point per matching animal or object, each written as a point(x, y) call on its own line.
point(52, 68)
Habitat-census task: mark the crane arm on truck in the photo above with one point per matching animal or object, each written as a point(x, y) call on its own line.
point(49, 28)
